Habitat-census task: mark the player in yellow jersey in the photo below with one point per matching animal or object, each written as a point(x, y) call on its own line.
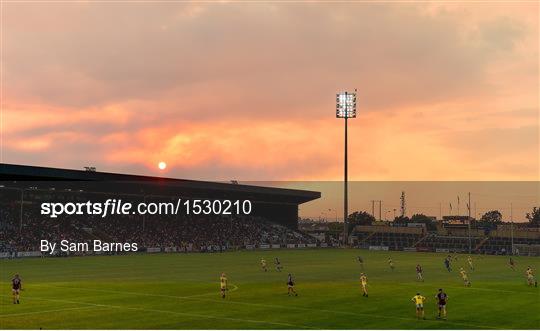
point(391, 264)
point(530, 277)
point(418, 300)
point(363, 281)
point(223, 285)
point(464, 276)
point(263, 265)
point(470, 261)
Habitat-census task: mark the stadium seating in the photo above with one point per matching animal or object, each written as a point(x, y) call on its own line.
point(436, 242)
point(394, 241)
point(503, 245)
point(159, 231)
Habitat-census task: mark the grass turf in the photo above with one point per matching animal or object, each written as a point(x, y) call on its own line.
point(181, 291)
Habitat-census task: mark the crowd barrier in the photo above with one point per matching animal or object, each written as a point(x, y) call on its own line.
point(378, 248)
point(173, 249)
point(29, 254)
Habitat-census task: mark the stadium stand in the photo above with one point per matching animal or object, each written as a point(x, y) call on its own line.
point(273, 219)
point(395, 238)
point(502, 245)
point(418, 239)
point(394, 241)
point(196, 232)
point(436, 242)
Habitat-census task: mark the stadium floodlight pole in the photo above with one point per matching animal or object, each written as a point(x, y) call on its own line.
point(469, 221)
point(346, 108)
point(512, 227)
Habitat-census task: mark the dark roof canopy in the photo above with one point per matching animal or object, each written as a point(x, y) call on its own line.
point(20, 175)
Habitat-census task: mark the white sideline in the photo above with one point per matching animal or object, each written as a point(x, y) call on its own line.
point(177, 313)
point(488, 289)
point(44, 311)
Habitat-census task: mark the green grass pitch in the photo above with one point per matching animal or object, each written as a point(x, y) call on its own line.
point(180, 291)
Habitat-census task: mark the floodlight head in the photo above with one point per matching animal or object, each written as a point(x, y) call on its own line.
point(346, 105)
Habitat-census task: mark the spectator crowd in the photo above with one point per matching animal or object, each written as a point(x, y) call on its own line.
point(180, 232)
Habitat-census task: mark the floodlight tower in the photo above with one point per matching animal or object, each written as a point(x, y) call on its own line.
point(346, 108)
point(403, 205)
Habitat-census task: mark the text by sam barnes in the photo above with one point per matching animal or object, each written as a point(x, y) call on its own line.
point(96, 246)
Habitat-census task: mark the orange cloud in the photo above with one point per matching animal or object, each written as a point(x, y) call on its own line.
point(228, 90)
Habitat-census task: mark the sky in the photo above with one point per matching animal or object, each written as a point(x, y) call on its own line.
point(246, 91)
point(513, 199)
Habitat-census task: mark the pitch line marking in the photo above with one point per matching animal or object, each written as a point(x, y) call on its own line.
point(176, 313)
point(207, 294)
point(139, 293)
point(356, 314)
point(489, 289)
point(44, 311)
point(266, 305)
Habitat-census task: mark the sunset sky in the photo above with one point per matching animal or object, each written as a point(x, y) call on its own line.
point(246, 91)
